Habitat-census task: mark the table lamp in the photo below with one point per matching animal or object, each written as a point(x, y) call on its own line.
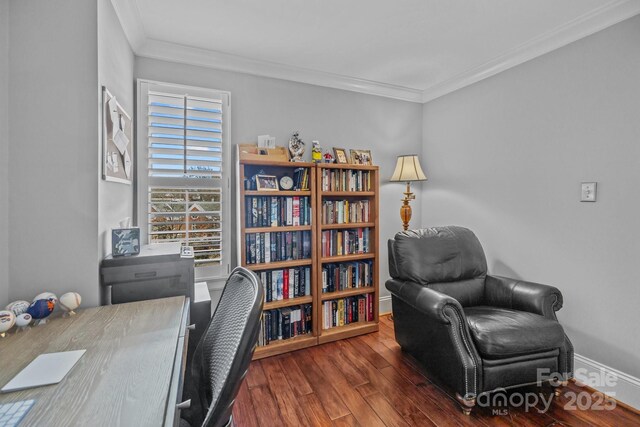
point(408, 169)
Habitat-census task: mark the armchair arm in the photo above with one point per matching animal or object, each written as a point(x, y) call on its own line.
point(536, 298)
point(432, 326)
point(429, 302)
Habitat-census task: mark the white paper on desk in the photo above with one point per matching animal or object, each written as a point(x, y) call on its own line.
point(46, 369)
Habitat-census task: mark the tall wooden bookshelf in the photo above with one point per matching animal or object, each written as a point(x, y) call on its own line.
point(316, 196)
point(248, 169)
point(345, 174)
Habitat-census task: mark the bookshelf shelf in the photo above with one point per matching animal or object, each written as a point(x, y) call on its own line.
point(285, 346)
point(276, 229)
point(281, 164)
point(348, 193)
point(347, 331)
point(279, 193)
point(287, 302)
point(347, 293)
point(346, 166)
point(279, 264)
point(348, 258)
point(348, 225)
point(258, 209)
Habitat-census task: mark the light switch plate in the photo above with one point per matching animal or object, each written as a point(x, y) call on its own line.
point(588, 193)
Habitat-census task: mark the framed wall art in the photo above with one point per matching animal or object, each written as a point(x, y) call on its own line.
point(117, 141)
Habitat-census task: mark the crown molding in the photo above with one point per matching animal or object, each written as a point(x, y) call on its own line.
point(576, 29)
point(173, 52)
point(583, 26)
point(129, 16)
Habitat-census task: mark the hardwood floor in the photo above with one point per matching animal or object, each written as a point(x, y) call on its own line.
point(368, 381)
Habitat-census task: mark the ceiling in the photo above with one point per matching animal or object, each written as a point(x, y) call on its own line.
point(409, 49)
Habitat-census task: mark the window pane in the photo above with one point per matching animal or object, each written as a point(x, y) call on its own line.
point(188, 215)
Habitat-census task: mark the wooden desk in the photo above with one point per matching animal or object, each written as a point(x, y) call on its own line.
point(131, 374)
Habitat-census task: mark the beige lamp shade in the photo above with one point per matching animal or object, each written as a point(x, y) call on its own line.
point(408, 169)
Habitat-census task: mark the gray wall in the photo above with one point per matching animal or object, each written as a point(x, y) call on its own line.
point(115, 71)
point(4, 153)
point(506, 157)
point(335, 118)
point(52, 173)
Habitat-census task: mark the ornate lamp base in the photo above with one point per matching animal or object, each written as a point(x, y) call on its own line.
point(405, 209)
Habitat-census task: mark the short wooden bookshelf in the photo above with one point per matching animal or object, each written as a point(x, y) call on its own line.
point(267, 244)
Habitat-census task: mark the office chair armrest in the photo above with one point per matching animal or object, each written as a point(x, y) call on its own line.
point(536, 298)
point(431, 303)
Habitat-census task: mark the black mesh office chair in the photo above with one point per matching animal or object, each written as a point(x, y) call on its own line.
point(224, 352)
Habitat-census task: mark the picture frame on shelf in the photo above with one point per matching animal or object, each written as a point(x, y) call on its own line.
point(341, 155)
point(125, 241)
point(267, 183)
point(361, 157)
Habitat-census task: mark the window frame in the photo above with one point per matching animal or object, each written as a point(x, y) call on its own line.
point(143, 182)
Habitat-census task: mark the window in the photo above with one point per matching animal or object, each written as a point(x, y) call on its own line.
point(183, 177)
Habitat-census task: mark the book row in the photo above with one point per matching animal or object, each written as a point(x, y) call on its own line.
point(277, 246)
point(286, 283)
point(285, 323)
point(346, 180)
point(267, 211)
point(301, 179)
point(348, 275)
point(344, 211)
point(345, 242)
point(344, 311)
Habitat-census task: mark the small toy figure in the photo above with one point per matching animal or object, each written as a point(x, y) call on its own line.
point(328, 158)
point(316, 152)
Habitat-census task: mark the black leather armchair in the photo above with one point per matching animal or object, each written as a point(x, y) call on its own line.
point(475, 333)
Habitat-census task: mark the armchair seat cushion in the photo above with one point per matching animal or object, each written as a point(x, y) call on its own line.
point(501, 333)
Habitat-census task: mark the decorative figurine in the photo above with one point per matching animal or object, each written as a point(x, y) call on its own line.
point(22, 321)
point(69, 302)
point(316, 152)
point(328, 158)
point(41, 309)
point(7, 320)
point(18, 307)
point(296, 147)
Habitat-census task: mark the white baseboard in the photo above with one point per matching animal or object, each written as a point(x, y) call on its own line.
point(622, 387)
point(385, 304)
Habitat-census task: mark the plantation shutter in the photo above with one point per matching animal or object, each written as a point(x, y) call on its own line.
point(183, 193)
point(185, 136)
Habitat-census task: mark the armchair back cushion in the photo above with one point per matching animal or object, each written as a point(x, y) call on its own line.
point(446, 259)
